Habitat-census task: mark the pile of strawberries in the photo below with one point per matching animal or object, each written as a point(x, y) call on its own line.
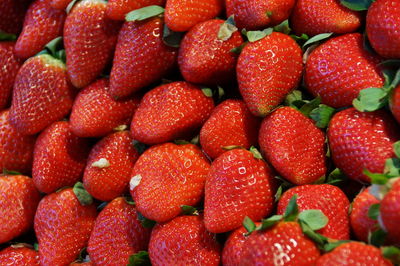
point(188, 132)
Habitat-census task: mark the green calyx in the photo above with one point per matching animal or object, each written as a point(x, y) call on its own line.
point(7, 37)
point(146, 223)
point(227, 29)
point(82, 195)
point(357, 5)
point(10, 172)
point(144, 13)
point(55, 50)
point(139, 259)
point(189, 210)
point(317, 38)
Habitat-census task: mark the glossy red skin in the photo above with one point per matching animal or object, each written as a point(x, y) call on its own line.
point(230, 124)
point(314, 17)
point(19, 199)
point(327, 198)
point(12, 13)
point(59, 158)
point(340, 68)
point(252, 14)
point(42, 95)
point(117, 9)
point(60, 4)
point(353, 253)
point(62, 227)
point(182, 15)
point(21, 256)
point(361, 224)
point(293, 145)
point(283, 244)
point(110, 182)
point(172, 176)
point(390, 212)
point(42, 24)
point(237, 185)
point(267, 71)
point(395, 103)
point(183, 241)
point(96, 114)
point(205, 59)
point(141, 57)
point(90, 43)
point(117, 234)
point(362, 140)
point(383, 22)
point(89, 263)
point(184, 107)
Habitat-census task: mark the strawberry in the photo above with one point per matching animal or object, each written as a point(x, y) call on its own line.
point(110, 163)
point(267, 71)
point(141, 57)
point(16, 150)
point(19, 255)
point(12, 13)
point(184, 110)
point(60, 4)
point(293, 145)
point(59, 158)
point(167, 176)
point(117, 234)
point(41, 25)
point(383, 20)
point(95, 113)
point(182, 15)
point(390, 212)
point(340, 68)
point(183, 241)
point(63, 226)
point(395, 103)
point(19, 199)
point(259, 14)
point(117, 9)
point(230, 124)
point(42, 94)
point(89, 43)
point(238, 185)
point(205, 58)
point(369, 136)
point(313, 17)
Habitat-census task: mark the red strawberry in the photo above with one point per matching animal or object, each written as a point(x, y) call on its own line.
point(383, 21)
point(183, 241)
point(238, 185)
point(89, 263)
point(19, 255)
point(340, 68)
point(184, 109)
point(63, 226)
point(390, 212)
point(59, 158)
point(41, 25)
point(95, 113)
point(395, 103)
point(60, 4)
point(181, 15)
point(42, 94)
point(230, 124)
point(19, 199)
point(327, 198)
point(293, 145)
point(166, 177)
point(205, 58)
point(141, 57)
point(361, 141)
point(314, 17)
point(268, 70)
point(117, 234)
point(117, 9)
point(12, 13)
point(89, 43)
point(109, 167)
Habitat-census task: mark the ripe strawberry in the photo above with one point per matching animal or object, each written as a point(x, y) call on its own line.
point(390, 212)
point(369, 136)
point(230, 124)
point(313, 17)
point(42, 94)
point(184, 109)
point(166, 177)
point(89, 43)
point(238, 185)
point(117, 234)
point(206, 59)
point(340, 68)
point(182, 15)
point(117, 9)
point(95, 113)
point(183, 241)
point(12, 13)
point(88, 263)
point(59, 158)
point(293, 145)
point(19, 255)
point(63, 226)
point(41, 25)
point(395, 103)
point(267, 71)
point(141, 57)
point(60, 4)
point(109, 167)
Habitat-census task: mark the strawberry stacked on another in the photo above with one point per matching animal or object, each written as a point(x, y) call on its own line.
point(117, 9)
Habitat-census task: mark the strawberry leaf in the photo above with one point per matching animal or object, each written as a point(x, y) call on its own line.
point(315, 219)
point(373, 211)
point(172, 38)
point(140, 259)
point(392, 167)
point(295, 99)
point(7, 37)
point(139, 147)
point(336, 176)
point(396, 148)
point(269, 222)
point(319, 239)
point(307, 108)
point(377, 238)
point(36, 246)
point(357, 5)
point(207, 92)
point(189, 210)
point(371, 99)
point(144, 13)
point(249, 224)
point(70, 6)
point(256, 153)
point(376, 178)
point(283, 27)
point(227, 29)
point(81, 193)
point(322, 115)
point(102, 206)
point(292, 210)
point(332, 245)
point(392, 253)
point(10, 172)
point(238, 50)
point(146, 223)
point(302, 38)
point(317, 38)
point(254, 36)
